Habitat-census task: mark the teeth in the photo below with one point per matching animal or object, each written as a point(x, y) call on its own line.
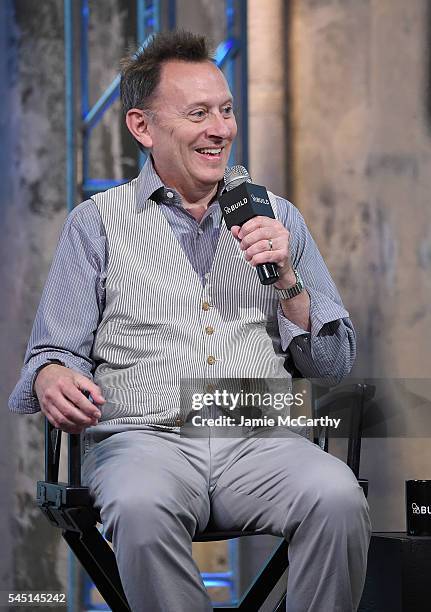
point(210, 151)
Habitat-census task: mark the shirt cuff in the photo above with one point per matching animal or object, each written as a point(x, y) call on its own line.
point(323, 310)
point(23, 399)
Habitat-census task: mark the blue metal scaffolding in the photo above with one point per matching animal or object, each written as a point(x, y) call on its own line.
point(82, 118)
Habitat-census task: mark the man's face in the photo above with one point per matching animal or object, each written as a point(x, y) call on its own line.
point(193, 126)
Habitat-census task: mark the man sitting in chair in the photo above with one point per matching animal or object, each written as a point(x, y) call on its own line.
point(149, 287)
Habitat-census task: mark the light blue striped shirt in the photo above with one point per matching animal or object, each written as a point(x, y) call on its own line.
point(73, 299)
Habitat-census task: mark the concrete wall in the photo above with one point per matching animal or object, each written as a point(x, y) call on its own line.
point(32, 211)
point(6, 474)
point(361, 148)
point(361, 155)
point(268, 94)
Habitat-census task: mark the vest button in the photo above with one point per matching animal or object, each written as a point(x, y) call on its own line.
point(205, 306)
point(179, 422)
point(211, 360)
point(209, 330)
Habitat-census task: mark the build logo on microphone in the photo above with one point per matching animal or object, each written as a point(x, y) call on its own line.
point(245, 202)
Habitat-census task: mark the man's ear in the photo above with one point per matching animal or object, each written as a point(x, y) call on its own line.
point(137, 122)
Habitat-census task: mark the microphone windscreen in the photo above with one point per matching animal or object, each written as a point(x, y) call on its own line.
point(234, 176)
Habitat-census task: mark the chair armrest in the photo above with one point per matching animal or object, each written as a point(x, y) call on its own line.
point(52, 455)
point(66, 505)
point(327, 403)
point(354, 395)
point(52, 452)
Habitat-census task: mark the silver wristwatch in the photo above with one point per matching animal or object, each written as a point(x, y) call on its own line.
point(287, 294)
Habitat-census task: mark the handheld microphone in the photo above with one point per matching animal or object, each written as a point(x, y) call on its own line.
point(242, 200)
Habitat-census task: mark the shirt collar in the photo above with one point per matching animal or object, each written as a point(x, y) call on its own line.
point(149, 183)
point(151, 186)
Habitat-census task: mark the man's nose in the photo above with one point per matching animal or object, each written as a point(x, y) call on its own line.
point(219, 126)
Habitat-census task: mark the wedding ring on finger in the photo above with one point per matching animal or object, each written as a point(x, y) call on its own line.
point(270, 244)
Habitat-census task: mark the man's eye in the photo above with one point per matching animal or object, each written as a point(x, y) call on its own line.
point(228, 110)
point(197, 115)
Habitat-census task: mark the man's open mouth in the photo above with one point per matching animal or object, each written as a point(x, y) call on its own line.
point(210, 152)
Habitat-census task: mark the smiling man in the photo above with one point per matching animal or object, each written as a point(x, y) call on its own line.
point(189, 129)
point(147, 288)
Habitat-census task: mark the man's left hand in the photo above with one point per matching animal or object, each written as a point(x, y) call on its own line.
point(257, 236)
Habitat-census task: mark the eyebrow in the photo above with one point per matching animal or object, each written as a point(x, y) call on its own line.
point(203, 103)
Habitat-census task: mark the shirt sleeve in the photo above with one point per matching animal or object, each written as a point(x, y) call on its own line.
point(71, 305)
point(329, 349)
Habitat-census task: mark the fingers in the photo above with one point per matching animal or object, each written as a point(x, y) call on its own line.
point(260, 251)
point(255, 236)
point(260, 223)
point(263, 233)
point(263, 245)
point(68, 391)
point(256, 233)
point(78, 399)
point(253, 254)
point(54, 377)
point(267, 257)
point(260, 235)
point(61, 397)
point(235, 229)
point(85, 384)
point(61, 421)
point(73, 414)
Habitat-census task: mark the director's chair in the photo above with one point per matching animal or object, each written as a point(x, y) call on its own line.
point(68, 506)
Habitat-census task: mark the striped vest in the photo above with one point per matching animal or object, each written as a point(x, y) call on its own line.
point(160, 325)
